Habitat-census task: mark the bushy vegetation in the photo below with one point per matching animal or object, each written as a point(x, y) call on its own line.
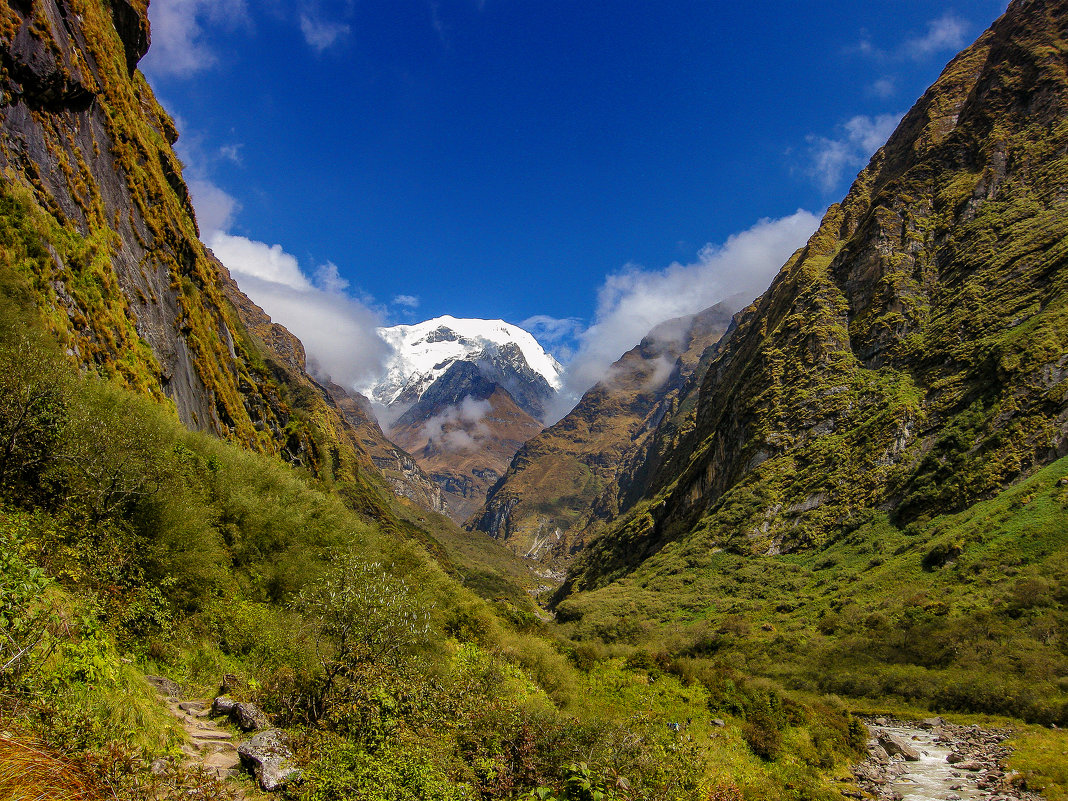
point(130, 545)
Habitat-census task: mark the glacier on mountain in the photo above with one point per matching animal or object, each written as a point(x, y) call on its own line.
point(422, 353)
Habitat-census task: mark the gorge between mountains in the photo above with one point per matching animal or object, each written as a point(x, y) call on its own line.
point(807, 545)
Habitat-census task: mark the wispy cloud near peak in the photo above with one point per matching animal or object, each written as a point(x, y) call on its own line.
point(948, 32)
point(831, 157)
point(321, 34)
point(179, 48)
point(632, 302)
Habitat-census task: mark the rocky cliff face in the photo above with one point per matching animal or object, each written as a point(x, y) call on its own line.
point(399, 467)
point(564, 483)
point(98, 233)
point(913, 357)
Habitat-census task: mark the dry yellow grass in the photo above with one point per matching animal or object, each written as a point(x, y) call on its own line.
point(29, 773)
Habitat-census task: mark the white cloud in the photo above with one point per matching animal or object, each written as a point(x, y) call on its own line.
point(550, 330)
point(884, 87)
point(556, 334)
point(948, 32)
point(338, 330)
point(322, 34)
point(860, 137)
point(407, 301)
point(253, 259)
point(458, 427)
point(436, 21)
point(215, 207)
point(328, 277)
point(632, 302)
point(232, 153)
point(178, 28)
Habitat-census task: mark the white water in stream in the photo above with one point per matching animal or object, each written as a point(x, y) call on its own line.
point(932, 778)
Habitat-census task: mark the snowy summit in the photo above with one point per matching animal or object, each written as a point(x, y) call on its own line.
point(423, 352)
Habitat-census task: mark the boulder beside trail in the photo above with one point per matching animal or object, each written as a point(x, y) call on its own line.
point(223, 705)
point(249, 717)
point(270, 759)
point(245, 715)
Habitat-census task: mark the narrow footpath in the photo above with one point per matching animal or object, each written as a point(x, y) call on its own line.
point(211, 749)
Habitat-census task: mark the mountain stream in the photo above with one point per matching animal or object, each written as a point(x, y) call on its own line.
point(937, 761)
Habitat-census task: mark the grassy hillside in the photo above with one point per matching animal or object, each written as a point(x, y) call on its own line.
point(964, 612)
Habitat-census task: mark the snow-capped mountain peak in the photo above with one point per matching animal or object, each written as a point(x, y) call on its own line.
point(423, 352)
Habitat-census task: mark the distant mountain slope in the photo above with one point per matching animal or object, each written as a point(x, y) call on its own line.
point(464, 431)
point(913, 357)
point(566, 481)
point(462, 396)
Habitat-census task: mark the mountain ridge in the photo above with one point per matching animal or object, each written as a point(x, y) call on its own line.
point(900, 360)
point(507, 354)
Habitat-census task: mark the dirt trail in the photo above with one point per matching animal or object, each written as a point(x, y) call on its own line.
point(210, 748)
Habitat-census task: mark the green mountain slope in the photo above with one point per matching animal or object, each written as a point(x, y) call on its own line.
point(97, 232)
point(965, 612)
point(913, 357)
point(871, 500)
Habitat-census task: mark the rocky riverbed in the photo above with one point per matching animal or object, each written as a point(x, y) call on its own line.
point(934, 760)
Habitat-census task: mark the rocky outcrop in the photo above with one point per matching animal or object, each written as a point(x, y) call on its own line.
point(270, 759)
point(131, 23)
point(406, 478)
point(893, 745)
point(243, 714)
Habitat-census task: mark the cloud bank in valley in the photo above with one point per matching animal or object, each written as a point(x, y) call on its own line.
point(460, 427)
point(632, 302)
point(337, 329)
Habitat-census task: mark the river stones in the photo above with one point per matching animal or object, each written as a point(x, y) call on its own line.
point(963, 761)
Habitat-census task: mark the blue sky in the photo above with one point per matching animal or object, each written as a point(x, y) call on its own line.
point(587, 167)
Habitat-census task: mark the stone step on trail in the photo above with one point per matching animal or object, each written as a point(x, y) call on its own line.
point(210, 748)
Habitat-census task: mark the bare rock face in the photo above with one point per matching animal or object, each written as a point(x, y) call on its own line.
point(164, 686)
point(223, 705)
point(464, 431)
point(131, 22)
